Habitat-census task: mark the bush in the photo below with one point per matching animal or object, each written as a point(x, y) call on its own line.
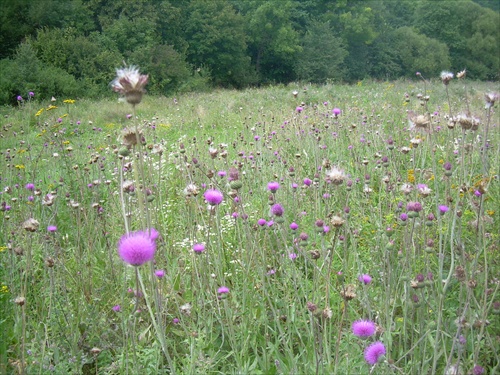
point(25, 72)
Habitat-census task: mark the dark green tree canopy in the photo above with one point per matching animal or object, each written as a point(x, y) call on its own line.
point(194, 44)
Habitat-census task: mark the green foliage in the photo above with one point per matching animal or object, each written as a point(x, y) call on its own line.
point(273, 41)
point(404, 52)
point(461, 25)
point(215, 36)
point(242, 43)
point(90, 60)
point(322, 54)
point(25, 73)
point(166, 67)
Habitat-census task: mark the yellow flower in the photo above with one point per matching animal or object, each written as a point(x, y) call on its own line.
point(50, 107)
point(4, 289)
point(490, 212)
point(3, 248)
point(411, 176)
point(39, 112)
point(19, 166)
point(66, 143)
point(69, 101)
point(441, 161)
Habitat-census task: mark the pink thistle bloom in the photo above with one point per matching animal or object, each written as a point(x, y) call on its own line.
point(307, 182)
point(336, 111)
point(51, 228)
point(136, 248)
point(153, 233)
point(299, 109)
point(374, 352)
point(117, 308)
point(198, 248)
point(213, 197)
point(277, 210)
point(261, 222)
point(273, 186)
point(443, 209)
point(223, 290)
point(365, 279)
point(294, 226)
point(160, 274)
point(363, 328)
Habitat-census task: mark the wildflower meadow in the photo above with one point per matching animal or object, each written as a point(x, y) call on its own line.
point(291, 229)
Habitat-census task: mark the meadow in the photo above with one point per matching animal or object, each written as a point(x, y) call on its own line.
point(299, 229)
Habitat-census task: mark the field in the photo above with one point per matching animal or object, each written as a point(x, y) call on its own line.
point(297, 230)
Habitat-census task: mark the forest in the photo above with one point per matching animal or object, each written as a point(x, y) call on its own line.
point(71, 48)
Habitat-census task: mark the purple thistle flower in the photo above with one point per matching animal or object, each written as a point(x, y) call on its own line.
point(223, 290)
point(273, 186)
point(221, 173)
point(414, 206)
point(19, 98)
point(447, 166)
point(443, 209)
point(31, 94)
point(403, 217)
point(374, 352)
point(294, 226)
point(277, 209)
point(213, 197)
point(198, 248)
point(175, 321)
point(292, 256)
point(51, 228)
point(307, 182)
point(363, 328)
point(336, 111)
point(365, 279)
point(478, 370)
point(160, 274)
point(299, 109)
point(30, 187)
point(136, 248)
point(117, 308)
point(261, 222)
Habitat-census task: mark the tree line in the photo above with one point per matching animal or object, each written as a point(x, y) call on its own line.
point(72, 47)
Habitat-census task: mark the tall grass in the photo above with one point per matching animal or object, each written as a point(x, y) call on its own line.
point(414, 205)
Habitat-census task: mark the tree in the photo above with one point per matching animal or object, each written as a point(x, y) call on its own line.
point(274, 43)
point(322, 54)
point(216, 39)
point(418, 53)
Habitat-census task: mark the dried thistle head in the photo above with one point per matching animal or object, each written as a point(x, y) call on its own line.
point(418, 121)
point(336, 176)
point(130, 82)
point(31, 225)
point(461, 74)
point(337, 221)
point(130, 136)
point(468, 122)
point(491, 98)
point(349, 293)
point(446, 77)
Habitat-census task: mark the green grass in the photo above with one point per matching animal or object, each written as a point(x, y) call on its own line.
point(281, 315)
